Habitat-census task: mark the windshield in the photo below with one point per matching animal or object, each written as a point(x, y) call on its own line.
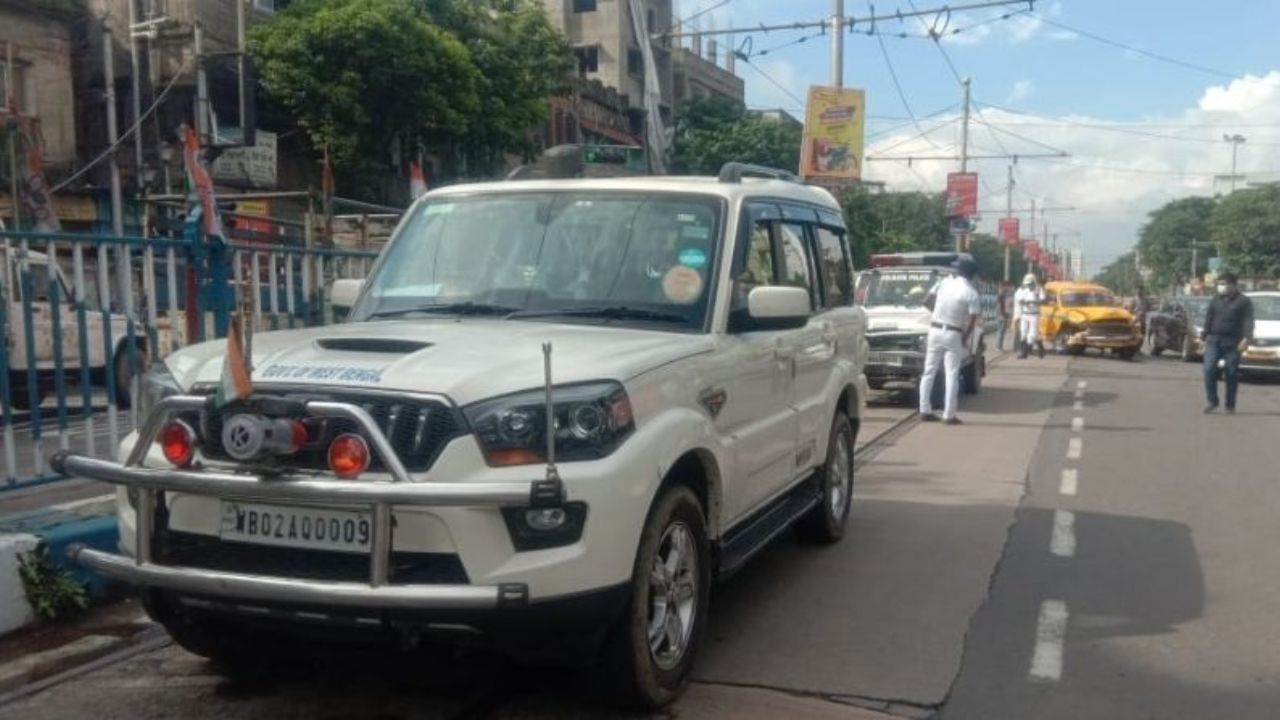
point(1088, 298)
point(554, 251)
point(895, 289)
point(1266, 307)
point(1195, 308)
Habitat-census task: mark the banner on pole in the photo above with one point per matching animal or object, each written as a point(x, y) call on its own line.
point(833, 133)
point(32, 185)
point(1031, 250)
point(203, 185)
point(962, 195)
point(1009, 231)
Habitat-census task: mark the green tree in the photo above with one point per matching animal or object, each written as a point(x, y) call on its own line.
point(1246, 228)
point(374, 80)
point(988, 252)
point(1167, 236)
point(894, 222)
point(713, 131)
point(1121, 276)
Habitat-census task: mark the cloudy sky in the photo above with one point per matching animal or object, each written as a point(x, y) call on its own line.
point(1138, 92)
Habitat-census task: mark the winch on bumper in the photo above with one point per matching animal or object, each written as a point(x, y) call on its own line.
point(379, 591)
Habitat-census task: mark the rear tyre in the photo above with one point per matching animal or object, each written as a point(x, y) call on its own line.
point(18, 391)
point(971, 376)
point(123, 378)
point(651, 649)
point(825, 523)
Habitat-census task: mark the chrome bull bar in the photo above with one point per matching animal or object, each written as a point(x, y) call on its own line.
point(379, 496)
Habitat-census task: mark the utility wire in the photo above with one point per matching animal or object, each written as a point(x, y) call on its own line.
point(893, 74)
point(1121, 129)
point(747, 60)
point(686, 21)
point(1130, 48)
point(125, 135)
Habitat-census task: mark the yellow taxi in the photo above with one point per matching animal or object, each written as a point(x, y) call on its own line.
point(1079, 315)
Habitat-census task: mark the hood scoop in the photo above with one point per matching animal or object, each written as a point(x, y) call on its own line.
point(395, 346)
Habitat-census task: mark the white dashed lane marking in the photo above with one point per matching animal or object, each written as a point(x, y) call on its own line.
point(1082, 384)
point(1070, 478)
point(1077, 424)
point(1063, 541)
point(1075, 448)
point(1051, 629)
point(1077, 405)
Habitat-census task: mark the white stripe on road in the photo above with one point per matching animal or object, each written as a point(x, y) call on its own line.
point(1082, 384)
point(1077, 424)
point(1063, 541)
point(1078, 405)
point(1051, 629)
point(1070, 478)
point(1075, 448)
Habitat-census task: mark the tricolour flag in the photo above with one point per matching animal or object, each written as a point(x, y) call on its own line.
point(200, 181)
point(417, 181)
point(235, 383)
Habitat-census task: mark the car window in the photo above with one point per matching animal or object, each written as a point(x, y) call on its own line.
point(837, 284)
point(758, 269)
point(796, 269)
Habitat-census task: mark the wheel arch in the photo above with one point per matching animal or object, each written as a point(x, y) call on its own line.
point(697, 469)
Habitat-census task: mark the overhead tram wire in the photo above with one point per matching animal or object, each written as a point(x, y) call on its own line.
point(1130, 48)
point(770, 78)
point(902, 96)
point(1120, 129)
point(686, 22)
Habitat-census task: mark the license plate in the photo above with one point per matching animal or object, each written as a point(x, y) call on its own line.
point(307, 528)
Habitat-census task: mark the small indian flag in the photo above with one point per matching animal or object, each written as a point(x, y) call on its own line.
point(235, 383)
point(417, 180)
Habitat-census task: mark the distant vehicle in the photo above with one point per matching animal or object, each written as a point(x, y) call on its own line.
point(1175, 326)
point(15, 264)
point(1078, 316)
point(893, 291)
point(1263, 354)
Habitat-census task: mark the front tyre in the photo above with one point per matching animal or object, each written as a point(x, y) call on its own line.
point(651, 650)
point(825, 523)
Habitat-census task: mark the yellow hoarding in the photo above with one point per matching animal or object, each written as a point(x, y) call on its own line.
point(833, 133)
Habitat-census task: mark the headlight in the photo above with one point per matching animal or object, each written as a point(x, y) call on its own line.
point(591, 421)
point(157, 384)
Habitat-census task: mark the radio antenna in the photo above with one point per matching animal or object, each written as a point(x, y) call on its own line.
point(552, 473)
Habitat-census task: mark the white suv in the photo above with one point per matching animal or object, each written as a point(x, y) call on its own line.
point(392, 477)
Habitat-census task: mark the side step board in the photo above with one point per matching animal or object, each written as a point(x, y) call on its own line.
point(743, 542)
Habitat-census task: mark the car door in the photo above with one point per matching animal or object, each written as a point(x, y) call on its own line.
point(815, 344)
point(840, 319)
point(754, 379)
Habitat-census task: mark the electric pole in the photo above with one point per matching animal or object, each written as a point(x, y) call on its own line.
point(837, 43)
point(1008, 212)
point(962, 239)
point(1235, 140)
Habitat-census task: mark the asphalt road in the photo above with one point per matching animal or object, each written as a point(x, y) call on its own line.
point(1024, 565)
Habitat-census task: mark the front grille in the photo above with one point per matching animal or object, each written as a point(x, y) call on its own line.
point(210, 553)
point(1110, 329)
point(892, 342)
point(417, 428)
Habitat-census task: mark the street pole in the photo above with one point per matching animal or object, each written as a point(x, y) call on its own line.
point(1194, 252)
point(837, 43)
point(1235, 141)
point(962, 238)
point(240, 45)
point(117, 199)
point(1008, 212)
point(13, 141)
point(1033, 219)
point(202, 89)
point(136, 74)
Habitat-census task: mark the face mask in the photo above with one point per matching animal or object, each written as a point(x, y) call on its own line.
point(1222, 289)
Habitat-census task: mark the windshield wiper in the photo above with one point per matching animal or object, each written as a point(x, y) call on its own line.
point(609, 312)
point(455, 308)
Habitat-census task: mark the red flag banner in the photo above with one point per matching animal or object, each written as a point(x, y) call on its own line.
point(32, 186)
point(1009, 231)
point(962, 195)
point(1031, 250)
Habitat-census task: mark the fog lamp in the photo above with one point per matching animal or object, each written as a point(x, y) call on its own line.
point(544, 519)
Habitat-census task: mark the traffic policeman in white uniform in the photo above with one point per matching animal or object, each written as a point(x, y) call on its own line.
point(1026, 310)
point(957, 307)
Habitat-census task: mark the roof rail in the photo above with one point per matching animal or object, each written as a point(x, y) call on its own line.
point(733, 172)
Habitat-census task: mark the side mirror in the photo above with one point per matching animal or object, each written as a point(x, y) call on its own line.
point(343, 293)
point(778, 307)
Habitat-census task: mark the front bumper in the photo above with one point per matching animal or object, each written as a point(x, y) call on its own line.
point(377, 496)
point(1106, 342)
point(1260, 360)
point(888, 368)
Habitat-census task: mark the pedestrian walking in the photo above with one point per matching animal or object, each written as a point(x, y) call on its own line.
point(1228, 329)
point(1004, 308)
point(1026, 312)
point(957, 307)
